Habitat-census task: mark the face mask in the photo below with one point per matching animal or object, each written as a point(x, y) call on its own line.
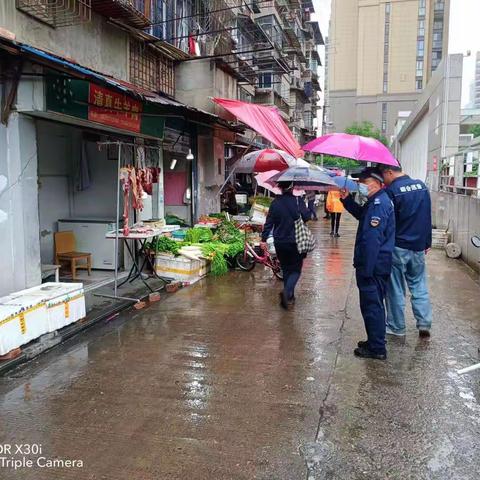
point(363, 190)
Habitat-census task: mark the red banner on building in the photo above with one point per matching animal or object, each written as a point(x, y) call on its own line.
point(114, 109)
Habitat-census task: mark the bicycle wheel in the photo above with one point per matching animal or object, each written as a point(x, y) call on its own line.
point(245, 262)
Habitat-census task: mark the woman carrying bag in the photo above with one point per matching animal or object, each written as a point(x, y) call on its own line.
point(292, 238)
point(335, 208)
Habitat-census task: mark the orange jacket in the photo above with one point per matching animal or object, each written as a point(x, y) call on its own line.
point(334, 205)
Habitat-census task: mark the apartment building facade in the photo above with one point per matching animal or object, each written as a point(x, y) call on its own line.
point(77, 74)
point(381, 55)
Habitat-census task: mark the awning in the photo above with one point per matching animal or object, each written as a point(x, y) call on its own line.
point(266, 121)
point(75, 70)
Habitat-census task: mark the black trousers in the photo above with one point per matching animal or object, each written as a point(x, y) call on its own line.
point(372, 305)
point(335, 220)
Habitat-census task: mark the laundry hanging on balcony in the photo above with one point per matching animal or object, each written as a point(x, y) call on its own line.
point(264, 120)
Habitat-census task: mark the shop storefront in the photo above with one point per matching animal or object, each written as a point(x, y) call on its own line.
point(60, 123)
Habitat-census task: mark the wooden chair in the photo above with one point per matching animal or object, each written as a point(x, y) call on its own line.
point(65, 251)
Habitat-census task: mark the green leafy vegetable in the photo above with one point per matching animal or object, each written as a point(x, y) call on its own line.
point(263, 201)
point(171, 219)
point(165, 244)
point(198, 235)
point(215, 252)
point(227, 232)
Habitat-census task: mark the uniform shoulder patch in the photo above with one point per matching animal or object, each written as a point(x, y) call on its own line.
point(375, 221)
point(377, 201)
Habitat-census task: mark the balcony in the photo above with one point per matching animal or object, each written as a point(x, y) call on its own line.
point(57, 13)
point(298, 84)
point(132, 12)
point(294, 33)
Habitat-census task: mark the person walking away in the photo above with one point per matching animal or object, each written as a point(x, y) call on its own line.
point(335, 208)
point(374, 246)
point(310, 199)
point(413, 239)
point(283, 212)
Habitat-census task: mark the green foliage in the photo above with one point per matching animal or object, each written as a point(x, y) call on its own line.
point(340, 162)
point(365, 129)
point(475, 130)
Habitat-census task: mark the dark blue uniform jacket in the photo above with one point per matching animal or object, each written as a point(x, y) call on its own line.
point(413, 213)
point(375, 239)
point(284, 210)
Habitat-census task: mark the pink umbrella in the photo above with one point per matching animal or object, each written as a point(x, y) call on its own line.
point(266, 121)
point(356, 147)
point(264, 161)
point(262, 178)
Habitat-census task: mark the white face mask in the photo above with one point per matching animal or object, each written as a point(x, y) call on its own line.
point(363, 190)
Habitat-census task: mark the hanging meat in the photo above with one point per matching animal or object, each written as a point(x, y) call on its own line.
point(147, 180)
point(137, 190)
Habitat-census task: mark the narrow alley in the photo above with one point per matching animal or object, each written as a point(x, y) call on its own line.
point(217, 382)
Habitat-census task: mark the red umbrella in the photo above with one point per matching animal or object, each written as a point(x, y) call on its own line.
point(264, 161)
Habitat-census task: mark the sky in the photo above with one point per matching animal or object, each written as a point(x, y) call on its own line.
point(464, 37)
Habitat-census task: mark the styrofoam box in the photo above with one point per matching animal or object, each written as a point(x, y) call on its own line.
point(43, 309)
point(181, 268)
point(20, 325)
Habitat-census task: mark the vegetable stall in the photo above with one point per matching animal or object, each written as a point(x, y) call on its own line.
point(189, 254)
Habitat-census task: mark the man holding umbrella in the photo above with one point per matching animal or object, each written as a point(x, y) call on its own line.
point(374, 245)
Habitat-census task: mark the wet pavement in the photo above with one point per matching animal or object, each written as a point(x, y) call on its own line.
point(217, 382)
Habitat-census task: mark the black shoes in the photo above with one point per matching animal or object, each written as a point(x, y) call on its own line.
point(332, 234)
point(364, 352)
point(424, 333)
point(362, 344)
point(337, 235)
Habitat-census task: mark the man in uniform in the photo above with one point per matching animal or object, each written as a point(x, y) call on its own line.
point(374, 246)
point(413, 238)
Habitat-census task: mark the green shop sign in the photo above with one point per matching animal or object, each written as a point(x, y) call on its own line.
point(89, 101)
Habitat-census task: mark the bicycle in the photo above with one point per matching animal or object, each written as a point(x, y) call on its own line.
point(252, 255)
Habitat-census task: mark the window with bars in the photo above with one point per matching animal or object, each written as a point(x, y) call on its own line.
point(151, 70)
point(384, 117)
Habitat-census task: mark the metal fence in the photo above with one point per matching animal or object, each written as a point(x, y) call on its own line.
point(460, 173)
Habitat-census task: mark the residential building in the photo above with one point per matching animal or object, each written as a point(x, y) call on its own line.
point(82, 73)
point(475, 100)
point(431, 132)
point(381, 55)
point(326, 122)
point(76, 76)
point(288, 75)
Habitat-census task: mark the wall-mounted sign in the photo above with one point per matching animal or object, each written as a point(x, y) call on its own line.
point(114, 109)
point(89, 101)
